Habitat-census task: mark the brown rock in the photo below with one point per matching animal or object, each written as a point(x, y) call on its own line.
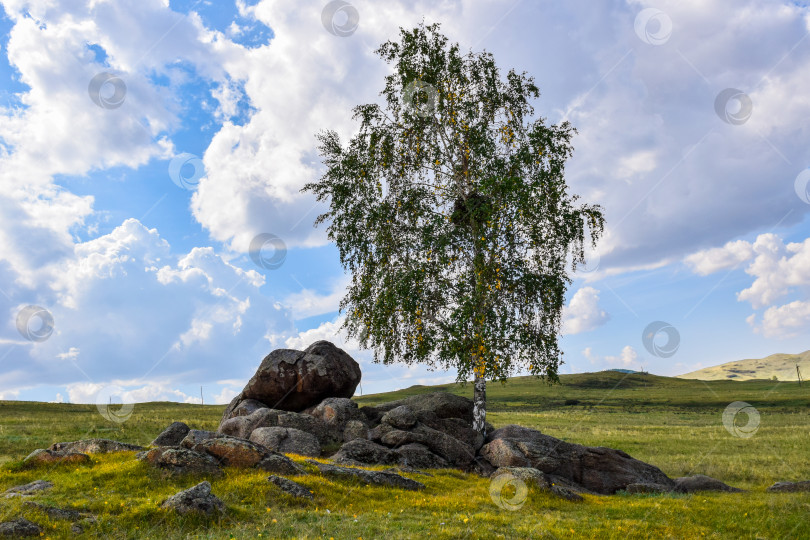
point(42, 456)
point(234, 452)
point(295, 380)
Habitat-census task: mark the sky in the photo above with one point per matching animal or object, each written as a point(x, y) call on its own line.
point(146, 145)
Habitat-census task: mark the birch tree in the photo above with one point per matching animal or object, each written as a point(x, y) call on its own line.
point(450, 210)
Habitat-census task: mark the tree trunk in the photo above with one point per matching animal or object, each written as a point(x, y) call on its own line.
point(480, 404)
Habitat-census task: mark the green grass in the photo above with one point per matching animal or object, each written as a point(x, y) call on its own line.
point(672, 423)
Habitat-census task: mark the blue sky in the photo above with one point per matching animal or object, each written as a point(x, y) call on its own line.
point(146, 271)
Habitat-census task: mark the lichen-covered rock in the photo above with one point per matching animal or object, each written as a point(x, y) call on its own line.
point(310, 424)
point(544, 482)
point(279, 464)
point(28, 489)
point(54, 512)
point(456, 453)
point(790, 487)
point(295, 380)
point(292, 488)
point(401, 417)
point(419, 456)
point(381, 478)
point(243, 426)
point(177, 460)
point(94, 446)
point(700, 482)
point(195, 437)
point(19, 528)
point(287, 440)
point(234, 452)
point(442, 404)
point(364, 452)
point(42, 456)
point(197, 499)
point(172, 435)
point(240, 406)
point(598, 469)
point(355, 429)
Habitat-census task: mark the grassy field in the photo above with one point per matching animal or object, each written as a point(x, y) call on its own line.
point(675, 424)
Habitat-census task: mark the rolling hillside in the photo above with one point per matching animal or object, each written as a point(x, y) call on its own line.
point(781, 366)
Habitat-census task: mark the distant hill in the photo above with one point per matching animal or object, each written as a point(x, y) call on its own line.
point(782, 366)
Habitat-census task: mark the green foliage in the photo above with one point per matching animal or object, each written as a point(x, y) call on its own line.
point(451, 211)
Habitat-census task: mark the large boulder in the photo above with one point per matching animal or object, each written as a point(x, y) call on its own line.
point(28, 489)
point(242, 407)
point(598, 469)
point(442, 404)
point(295, 380)
point(419, 456)
point(287, 440)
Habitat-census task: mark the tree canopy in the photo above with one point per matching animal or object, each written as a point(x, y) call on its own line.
point(450, 209)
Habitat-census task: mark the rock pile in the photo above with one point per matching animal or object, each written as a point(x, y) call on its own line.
point(298, 402)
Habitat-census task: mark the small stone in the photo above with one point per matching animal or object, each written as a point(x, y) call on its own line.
point(700, 482)
point(369, 477)
point(288, 486)
point(790, 487)
point(55, 513)
point(197, 499)
point(28, 489)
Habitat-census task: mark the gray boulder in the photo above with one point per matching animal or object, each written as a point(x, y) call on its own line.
point(401, 417)
point(291, 488)
point(54, 512)
point(380, 478)
point(457, 453)
point(647, 488)
point(419, 456)
point(364, 452)
point(442, 404)
point(19, 528)
point(195, 500)
point(700, 482)
point(243, 426)
point(355, 429)
point(547, 483)
point(176, 460)
point(242, 407)
point(94, 446)
point(287, 440)
point(310, 424)
point(790, 487)
point(195, 437)
point(279, 464)
point(172, 435)
point(598, 469)
point(295, 380)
